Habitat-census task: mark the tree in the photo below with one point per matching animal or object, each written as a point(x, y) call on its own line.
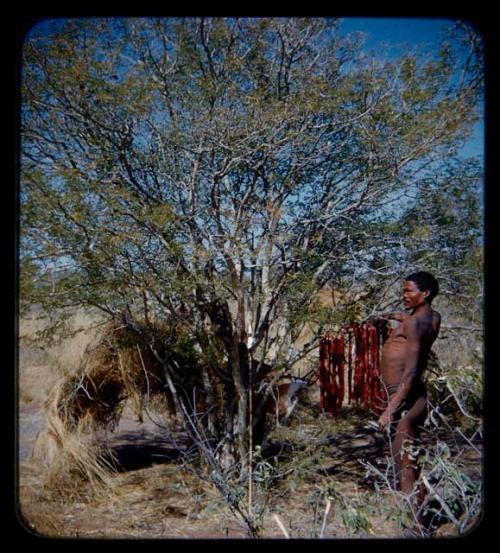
point(219, 172)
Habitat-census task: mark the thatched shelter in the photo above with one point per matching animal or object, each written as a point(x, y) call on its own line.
point(120, 368)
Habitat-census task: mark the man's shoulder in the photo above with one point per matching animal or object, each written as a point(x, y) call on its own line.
point(421, 322)
point(432, 313)
point(422, 325)
point(436, 315)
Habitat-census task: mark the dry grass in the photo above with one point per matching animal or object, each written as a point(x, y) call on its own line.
point(91, 397)
point(162, 501)
point(165, 500)
point(319, 460)
point(43, 362)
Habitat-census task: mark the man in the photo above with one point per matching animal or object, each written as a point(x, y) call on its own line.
point(404, 360)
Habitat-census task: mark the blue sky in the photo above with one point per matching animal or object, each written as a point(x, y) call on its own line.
point(394, 33)
point(397, 30)
point(387, 36)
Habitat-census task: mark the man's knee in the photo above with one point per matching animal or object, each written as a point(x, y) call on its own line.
point(405, 428)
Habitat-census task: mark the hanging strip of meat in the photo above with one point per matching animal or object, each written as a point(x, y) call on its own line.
point(383, 333)
point(326, 382)
point(326, 376)
point(333, 378)
point(358, 369)
point(340, 369)
point(364, 366)
point(323, 359)
point(349, 367)
point(374, 365)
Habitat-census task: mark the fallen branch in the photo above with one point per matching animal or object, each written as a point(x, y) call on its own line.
point(327, 510)
point(441, 501)
point(462, 409)
point(282, 527)
point(469, 328)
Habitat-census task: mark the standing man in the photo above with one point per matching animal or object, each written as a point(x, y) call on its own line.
point(404, 360)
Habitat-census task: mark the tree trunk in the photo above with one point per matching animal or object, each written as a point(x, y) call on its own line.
point(242, 415)
point(234, 450)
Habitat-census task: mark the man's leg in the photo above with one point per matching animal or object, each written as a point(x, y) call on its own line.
point(406, 434)
point(405, 456)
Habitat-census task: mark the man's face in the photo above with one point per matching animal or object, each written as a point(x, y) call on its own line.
point(412, 296)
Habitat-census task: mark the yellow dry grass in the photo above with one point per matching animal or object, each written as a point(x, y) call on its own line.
point(41, 362)
point(92, 396)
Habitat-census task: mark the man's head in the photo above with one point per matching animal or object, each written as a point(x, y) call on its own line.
point(418, 288)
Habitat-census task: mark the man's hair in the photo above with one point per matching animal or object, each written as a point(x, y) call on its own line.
point(425, 281)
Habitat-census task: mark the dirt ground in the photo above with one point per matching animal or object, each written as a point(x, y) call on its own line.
point(155, 495)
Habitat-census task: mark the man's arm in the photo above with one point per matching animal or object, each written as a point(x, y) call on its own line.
point(395, 315)
point(414, 336)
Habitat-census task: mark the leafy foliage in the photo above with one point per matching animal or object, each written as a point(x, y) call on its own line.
point(220, 172)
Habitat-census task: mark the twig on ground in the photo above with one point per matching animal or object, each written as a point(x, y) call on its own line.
point(441, 501)
point(281, 526)
point(325, 515)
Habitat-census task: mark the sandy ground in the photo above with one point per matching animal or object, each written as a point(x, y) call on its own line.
point(155, 496)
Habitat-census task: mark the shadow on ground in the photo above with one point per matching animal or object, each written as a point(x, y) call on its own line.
point(349, 453)
point(136, 450)
point(344, 447)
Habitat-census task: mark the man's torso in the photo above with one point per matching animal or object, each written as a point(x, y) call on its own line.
point(394, 350)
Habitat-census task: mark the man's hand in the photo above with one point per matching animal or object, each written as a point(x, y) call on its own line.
point(385, 419)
